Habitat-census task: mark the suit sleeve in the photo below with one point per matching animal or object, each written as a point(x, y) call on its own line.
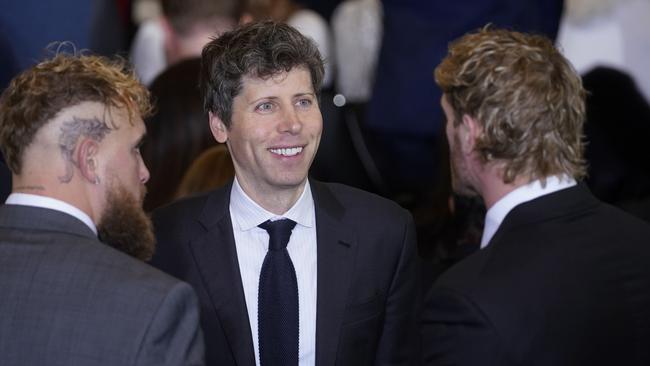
point(174, 336)
point(456, 332)
point(399, 343)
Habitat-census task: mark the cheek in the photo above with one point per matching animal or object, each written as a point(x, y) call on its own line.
point(314, 123)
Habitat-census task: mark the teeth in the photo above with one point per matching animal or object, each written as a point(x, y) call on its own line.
point(287, 151)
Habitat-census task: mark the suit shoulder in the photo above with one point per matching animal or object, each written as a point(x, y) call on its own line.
point(358, 200)
point(185, 207)
point(126, 270)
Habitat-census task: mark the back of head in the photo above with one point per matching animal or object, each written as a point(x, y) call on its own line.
point(36, 96)
point(177, 132)
point(185, 15)
point(260, 50)
point(527, 98)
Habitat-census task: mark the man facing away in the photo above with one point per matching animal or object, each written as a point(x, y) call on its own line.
point(70, 130)
point(338, 282)
point(561, 279)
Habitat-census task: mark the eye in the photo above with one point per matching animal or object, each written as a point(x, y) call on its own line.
point(264, 107)
point(304, 103)
point(137, 147)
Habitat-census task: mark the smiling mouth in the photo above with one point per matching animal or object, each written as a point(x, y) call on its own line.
point(288, 151)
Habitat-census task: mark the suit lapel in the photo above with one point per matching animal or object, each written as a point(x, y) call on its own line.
point(336, 250)
point(216, 257)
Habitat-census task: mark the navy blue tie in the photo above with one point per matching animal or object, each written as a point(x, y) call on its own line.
point(277, 306)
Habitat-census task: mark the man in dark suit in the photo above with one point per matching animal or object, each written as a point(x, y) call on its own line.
point(70, 130)
point(562, 278)
point(351, 254)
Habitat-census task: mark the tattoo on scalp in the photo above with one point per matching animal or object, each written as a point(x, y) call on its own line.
point(71, 132)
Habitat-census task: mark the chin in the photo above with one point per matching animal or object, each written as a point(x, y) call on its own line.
point(293, 181)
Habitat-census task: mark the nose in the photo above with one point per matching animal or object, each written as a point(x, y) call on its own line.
point(144, 172)
point(291, 122)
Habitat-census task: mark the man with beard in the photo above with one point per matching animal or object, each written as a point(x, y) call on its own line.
point(289, 271)
point(70, 130)
point(562, 278)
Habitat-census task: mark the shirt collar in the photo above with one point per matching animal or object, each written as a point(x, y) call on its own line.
point(528, 192)
point(247, 214)
point(26, 199)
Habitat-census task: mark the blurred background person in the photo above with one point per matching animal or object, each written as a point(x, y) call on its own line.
point(609, 33)
point(357, 29)
point(180, 32)
point(211, 170)
point(177, 132)
point(308, 22)
point(617, 131)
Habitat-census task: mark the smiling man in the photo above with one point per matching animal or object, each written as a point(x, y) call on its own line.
point(289, 271)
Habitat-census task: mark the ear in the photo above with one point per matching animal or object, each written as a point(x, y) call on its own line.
point(470, 131)
point(87, 160)
point(218, 128)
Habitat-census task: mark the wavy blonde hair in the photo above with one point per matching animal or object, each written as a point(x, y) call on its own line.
point(527, 97)
point(36, 96)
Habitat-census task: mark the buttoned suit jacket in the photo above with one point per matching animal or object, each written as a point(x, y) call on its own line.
point(366, 276)
point(69, 300)
point(564, 281)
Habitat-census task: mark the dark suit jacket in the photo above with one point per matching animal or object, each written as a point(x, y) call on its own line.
point(367, 276)
point(564, 281)
point(69, 300)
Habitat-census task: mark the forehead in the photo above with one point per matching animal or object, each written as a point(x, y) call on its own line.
point(298, 80)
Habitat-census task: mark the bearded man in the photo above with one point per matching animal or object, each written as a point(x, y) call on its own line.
point(70, 130)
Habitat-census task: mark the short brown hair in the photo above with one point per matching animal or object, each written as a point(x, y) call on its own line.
point(185, 14)
point(37, 95)
point(261, 50)
point(527, 97)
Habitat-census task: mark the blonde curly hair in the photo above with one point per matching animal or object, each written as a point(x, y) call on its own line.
point(37, 95)
point(527, 97)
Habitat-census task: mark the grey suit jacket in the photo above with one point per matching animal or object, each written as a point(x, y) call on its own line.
point(366, 310)
point(67, 299)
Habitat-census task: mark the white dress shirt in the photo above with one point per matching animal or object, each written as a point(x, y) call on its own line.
point(252, 244)
point(528, 192)
point(35, 200)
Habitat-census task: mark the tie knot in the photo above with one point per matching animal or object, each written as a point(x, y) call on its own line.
point(279, 232)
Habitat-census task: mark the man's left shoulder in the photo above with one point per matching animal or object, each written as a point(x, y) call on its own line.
point(356, 201)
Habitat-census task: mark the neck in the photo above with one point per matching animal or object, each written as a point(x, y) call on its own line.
point(493, 188)
point(71, 192)
point(277, 201)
